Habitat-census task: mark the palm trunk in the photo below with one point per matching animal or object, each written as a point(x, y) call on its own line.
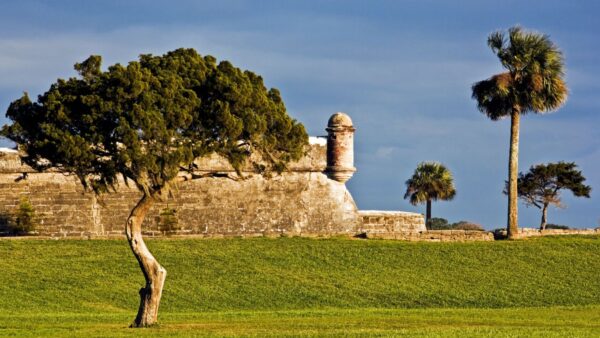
point(153, 272)
point(513, 169)
point(544, 216)
point(428, 215)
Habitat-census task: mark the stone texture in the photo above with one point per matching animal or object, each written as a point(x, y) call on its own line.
point(310, 199)
point(535, 232)
point(340, 147)
point(436, 235)
point(378, 221)
point(302, 202)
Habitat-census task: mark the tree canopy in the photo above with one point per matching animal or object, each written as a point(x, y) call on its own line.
point(431, 181)
point(150, 119)
point(542, 184)
point(534, 81)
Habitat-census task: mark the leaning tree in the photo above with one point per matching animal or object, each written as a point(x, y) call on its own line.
point(533, 82)
point(146, 123)
point(541, 185)
point(431, 181)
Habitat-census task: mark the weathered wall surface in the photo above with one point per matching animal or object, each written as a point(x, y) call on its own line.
point(310, 199)
point(532, 232)
point(436, 235)
point(409, 226)
point(302, 201)
point(378, 222)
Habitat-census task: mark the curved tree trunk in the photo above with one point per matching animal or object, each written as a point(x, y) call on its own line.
point(428, 215)
point(544, 216)
point(154, 273)
point(513, 169)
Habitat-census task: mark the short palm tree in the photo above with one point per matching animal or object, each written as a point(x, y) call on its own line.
point(431, 181)
point(533, 82)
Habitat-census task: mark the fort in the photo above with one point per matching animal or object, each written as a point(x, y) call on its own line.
point(309, 199)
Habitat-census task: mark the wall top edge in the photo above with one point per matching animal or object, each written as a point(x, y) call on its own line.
point(387, 213)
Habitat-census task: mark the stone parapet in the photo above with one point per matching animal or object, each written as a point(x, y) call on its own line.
point(380, 221)
point(534, 232)
point(436, 235)
point(314, 160)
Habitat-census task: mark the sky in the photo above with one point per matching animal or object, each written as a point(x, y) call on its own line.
point(401, 69)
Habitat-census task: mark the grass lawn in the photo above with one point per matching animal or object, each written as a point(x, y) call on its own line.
point(513, 322)
point(295, 286)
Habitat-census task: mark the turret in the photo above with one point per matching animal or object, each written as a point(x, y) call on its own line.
point(340, 148)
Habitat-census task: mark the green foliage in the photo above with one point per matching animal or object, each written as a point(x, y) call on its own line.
point(542, 184)
point(148, 120)
point(437, 223)
point(167, 220)
point(534, 78)
point(557, 226)
point(25, 218)
point(431, 181)
point(466, 225)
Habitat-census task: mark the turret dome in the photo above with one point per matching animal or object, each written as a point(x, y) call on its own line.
point(339, 120)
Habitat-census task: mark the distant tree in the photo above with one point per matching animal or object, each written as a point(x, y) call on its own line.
point(147, 122)
point(557, 226)
point(431, 181)
point(542, 184)
point(466, 225)
point(438, 223)
point(533, 83)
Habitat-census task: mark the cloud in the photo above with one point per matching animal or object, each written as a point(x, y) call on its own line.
point(385, 152)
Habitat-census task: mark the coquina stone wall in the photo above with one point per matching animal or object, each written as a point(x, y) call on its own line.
point(303, 201)
point(310, 199)
point(384, 222)
point(436, 235)
point(534, 232)
point(409, 226)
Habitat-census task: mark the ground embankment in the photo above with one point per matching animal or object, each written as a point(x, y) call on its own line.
point(84, 276)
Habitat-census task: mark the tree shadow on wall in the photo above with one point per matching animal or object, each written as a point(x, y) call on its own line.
point(9, 226)
point(6, 228)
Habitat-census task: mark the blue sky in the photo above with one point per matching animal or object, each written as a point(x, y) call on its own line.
point(401, 69)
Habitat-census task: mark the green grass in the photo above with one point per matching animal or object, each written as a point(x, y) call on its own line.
point(513, 322)
point(295, 286)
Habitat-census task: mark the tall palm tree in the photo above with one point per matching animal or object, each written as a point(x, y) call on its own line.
point(431, 181)
point(533, 82)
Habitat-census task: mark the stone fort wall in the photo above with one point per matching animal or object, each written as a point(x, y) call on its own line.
point(311, 199)
point(301, 201)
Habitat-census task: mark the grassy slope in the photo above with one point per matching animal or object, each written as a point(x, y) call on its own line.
point(228, 276)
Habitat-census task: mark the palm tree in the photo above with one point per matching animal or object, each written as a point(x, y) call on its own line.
point(431, 181)
point(533, 82)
